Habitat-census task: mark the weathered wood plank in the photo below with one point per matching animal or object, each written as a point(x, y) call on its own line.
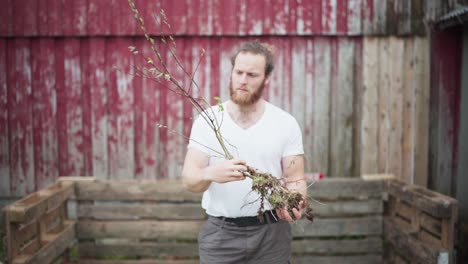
point(309, 103)
point(120, 124)
point(345, 188)
point(355, 17)
point(395, 106)
point(55, 245)
point(129, 211)
point(54, 17)
point(6, 13)
point(147, 143)
point(421, 108)
point(74, 19)
point(24, 17)
point(408, 246)
point(341, 147)
point(98, 87)
point(359, 259)
point(348, 208)
point(44, 122)
point(20, 118)
point(174, 147)
point(329, 16)
point(319, 155)
point(338, 246)
point(135, 250)
point(98, 18)
point(134, 211)
point(126, 25)
point(313, 16)
point(36, 204)
point(353, 226)
point(370, 101)
point(137, 190)
point(433, 203)
point(299, 85)
point(5, 180)
point(140, 261)
point(384, 114)
point(87, 229)
point(173, 190)
point(408, 97)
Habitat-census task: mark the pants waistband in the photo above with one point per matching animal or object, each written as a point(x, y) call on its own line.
point(268, 217)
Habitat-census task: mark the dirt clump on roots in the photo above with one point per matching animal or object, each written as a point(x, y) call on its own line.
point(273, 190)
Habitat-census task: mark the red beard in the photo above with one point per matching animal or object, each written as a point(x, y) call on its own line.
point(246, 98)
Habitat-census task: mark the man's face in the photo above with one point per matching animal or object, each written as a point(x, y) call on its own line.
point(247, 79)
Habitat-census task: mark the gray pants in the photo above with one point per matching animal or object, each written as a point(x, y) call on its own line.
point(224, 242)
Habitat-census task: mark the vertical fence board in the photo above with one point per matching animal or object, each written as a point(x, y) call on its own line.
point(354, 26)
point(278, 17)
point(380, 14)
point(61, 107)
point(384, 115)
point(310, 91)
point(149, 11)
point(370, 106)
point(396, 106)
point(298, 82)
point(177, 16)
point(121, 121)
point(368, 16)
point(403, 9)
point(20, 117)
point(99, 17)
point(99, 87)
point(421, 120)
point(253, 13)
point(54, 17)
point(342, 109)
point(42, 18)
point(408, 96)
point(44, 107)
point(4, 129)
point(309, 17)
point(86, 103)
point(174, 118)
point(329, 16)
point(73, 107)
point(320, 153)
point(6, 13)
point(75, 17)
point(122, 19)
point(25, 17)
point(341, 17)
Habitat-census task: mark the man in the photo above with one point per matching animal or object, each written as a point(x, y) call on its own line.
point(261, 136)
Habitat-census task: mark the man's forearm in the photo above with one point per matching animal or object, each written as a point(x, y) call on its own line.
point(194, 182)
point(298, 184)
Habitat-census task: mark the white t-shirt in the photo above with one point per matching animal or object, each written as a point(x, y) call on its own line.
point(263, 145)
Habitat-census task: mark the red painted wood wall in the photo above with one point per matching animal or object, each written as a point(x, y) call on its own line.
point(65, 110)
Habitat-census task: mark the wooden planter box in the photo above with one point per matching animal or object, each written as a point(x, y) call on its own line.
point(83, 220)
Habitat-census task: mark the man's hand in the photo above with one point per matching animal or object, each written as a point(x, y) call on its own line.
point(225, 171)
point(284, 214)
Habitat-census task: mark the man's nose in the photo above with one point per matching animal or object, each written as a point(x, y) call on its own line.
point(243, 78)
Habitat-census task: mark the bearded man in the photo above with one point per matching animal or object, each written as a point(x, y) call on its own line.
point(261, 135)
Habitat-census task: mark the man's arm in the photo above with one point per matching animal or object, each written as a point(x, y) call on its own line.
point(293, 173)
point(197, 175)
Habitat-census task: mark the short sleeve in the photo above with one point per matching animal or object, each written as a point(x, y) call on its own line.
point(293, 143)
point(199, 135)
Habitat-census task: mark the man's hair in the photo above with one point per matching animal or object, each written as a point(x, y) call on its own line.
point(258, 48)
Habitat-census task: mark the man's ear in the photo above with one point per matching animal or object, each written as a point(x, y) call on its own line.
point(267, 80)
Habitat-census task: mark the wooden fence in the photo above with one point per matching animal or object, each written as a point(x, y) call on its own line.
point(157, 222)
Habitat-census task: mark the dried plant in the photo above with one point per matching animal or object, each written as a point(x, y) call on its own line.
point(269, 187)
